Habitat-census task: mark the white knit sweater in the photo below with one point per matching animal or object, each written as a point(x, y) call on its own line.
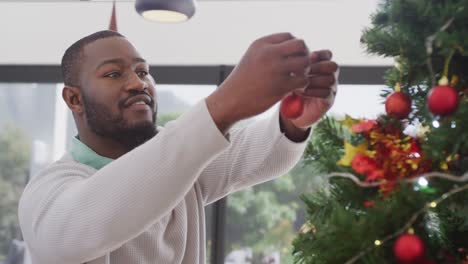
point(148, 205)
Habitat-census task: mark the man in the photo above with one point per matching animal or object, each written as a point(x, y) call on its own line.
point(129, 192)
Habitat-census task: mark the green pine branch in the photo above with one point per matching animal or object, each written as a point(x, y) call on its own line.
point(421, 35)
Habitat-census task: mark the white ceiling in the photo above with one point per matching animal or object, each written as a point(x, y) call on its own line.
point(38, 32)
point(37, 1)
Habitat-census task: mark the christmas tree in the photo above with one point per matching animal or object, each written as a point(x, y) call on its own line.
point(397, 186)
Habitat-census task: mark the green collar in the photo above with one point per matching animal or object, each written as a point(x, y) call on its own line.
point(83, 154)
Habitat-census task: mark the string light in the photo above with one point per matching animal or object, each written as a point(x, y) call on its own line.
point(407, 226)
point(435, 123)
point(357, 181)
point(414, 217)
point(411, 231)
point(422, 182)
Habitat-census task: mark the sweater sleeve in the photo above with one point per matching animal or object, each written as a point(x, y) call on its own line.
point(258, 153)
point(70, 216)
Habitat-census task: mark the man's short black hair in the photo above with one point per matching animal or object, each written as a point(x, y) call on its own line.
point(73, 55)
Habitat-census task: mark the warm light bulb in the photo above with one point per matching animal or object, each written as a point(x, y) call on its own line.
point(433, 204)
point(164, 16)
point(422, 182)
point(168, 11)
point(377, 242)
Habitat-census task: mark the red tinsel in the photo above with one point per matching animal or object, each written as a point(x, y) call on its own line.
point(391, 154)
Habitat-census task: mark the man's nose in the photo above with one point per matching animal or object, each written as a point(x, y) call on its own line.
point(134, 82)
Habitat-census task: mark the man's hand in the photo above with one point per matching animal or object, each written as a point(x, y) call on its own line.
point(319, 94)
point(261, 79)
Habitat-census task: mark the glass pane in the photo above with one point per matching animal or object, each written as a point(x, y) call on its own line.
point(174, 99)
point(358, 101)
point(36, 128)
point(263, 220)
point(209, 231)
point(33, 132)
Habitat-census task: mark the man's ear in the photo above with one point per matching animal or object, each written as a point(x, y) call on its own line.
point(72, 97)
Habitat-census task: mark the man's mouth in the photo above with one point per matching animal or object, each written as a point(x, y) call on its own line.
point(141, 99)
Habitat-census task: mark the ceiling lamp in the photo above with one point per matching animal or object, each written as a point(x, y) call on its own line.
point(170, 11)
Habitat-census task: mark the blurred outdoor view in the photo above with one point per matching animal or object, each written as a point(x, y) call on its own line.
point(36, 128)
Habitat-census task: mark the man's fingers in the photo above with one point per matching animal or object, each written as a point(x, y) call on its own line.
point(297, 81)
point(292, 47)
point(296, 65)
point(323, 67)
point(318, 92)
point(320, 55)
point(322, 81)
point(277, 38)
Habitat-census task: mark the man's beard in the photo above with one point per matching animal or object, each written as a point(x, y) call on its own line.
point(103, 123)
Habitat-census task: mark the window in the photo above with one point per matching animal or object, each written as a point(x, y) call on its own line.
point(174, 99)
point(358, 101)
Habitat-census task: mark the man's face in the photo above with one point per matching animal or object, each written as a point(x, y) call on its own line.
point(118, 92)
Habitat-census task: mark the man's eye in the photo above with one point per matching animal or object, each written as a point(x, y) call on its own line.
point(113, 75)
point(142, 73)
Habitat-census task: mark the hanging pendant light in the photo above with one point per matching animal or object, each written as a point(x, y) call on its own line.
point(170, 11)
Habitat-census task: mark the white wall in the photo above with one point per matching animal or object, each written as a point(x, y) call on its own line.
point(219, 33)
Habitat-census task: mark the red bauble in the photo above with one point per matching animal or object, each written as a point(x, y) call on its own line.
point(363, 164)
point(292, 106)
point(442, 100)
point(409, 249)
point(398, 105)
point(369, 204)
